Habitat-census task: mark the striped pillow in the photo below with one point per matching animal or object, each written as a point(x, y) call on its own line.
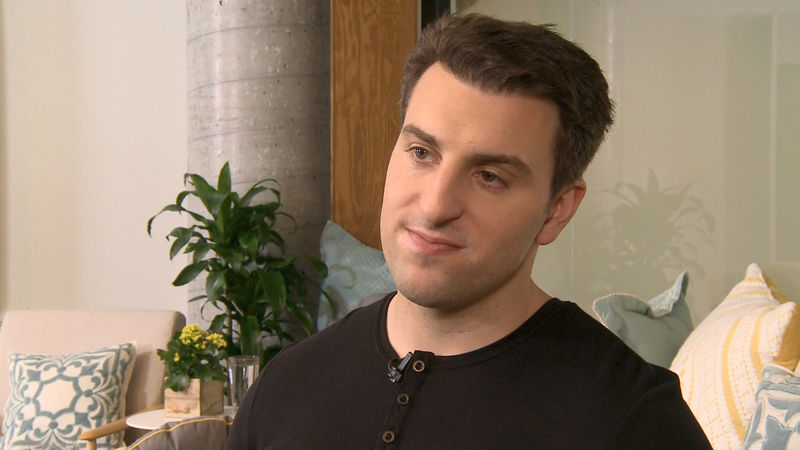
point(720, 363)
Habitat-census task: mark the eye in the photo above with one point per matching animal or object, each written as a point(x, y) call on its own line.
point(420, 153)
point(490, 177)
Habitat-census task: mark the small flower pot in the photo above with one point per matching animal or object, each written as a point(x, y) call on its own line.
point(201, 398)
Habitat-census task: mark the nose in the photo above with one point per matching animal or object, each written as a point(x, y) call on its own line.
point(441, 197)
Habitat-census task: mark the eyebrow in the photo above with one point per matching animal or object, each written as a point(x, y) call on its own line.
point(420, 134)
point(509, 160)
point(478, 158)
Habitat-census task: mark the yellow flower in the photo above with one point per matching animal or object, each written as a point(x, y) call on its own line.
point(216, 339)
point(177, 357)
point(190, 333)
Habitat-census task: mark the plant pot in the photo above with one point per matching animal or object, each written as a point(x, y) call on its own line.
point(201, 398)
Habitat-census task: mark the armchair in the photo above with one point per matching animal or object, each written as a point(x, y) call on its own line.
point(72, 331)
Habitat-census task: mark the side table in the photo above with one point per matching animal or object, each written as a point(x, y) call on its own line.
point(154, 419)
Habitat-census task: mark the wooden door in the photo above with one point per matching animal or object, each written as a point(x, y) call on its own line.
point(369, 42)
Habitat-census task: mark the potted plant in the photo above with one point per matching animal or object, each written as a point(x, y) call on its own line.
point(195, 373)
point(259, 289)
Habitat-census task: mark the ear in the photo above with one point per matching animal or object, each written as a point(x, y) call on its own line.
point(564, 206)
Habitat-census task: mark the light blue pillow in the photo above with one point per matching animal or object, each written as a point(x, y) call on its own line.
point(55, 398)
point(355, 271)
point(654, 329)
point(776, 421)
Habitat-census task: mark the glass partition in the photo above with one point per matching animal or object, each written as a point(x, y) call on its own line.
point(699, 170)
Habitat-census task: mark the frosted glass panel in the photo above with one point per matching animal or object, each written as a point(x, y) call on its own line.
point(700, 171)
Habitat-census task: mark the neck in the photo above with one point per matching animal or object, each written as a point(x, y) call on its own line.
point(413, 327)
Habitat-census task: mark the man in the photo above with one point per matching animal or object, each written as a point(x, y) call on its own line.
point(499, 122)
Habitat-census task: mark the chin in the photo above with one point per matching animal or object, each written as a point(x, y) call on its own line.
point(424, 292)
point(441, 295)
point(425, 299)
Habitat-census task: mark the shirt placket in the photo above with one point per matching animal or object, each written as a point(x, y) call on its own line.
point(404, 399)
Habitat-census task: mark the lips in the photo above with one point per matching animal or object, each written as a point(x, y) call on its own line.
point(429, 243)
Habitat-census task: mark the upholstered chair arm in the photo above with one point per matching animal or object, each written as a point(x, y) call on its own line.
point(92, 435)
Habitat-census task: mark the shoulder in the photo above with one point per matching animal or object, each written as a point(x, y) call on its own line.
point(297, 386)
point(642, 401)
point(590, 361)
point(582, 333)
point(352, 335)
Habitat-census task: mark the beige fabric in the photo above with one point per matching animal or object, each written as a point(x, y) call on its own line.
point(71, 331)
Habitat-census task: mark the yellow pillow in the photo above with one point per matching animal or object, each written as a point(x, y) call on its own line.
point(720, 363)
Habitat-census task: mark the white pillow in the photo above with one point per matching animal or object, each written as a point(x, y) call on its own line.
point(55, 398)
point(720, 363)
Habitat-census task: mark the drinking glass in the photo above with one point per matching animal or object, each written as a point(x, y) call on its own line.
point(242, 371)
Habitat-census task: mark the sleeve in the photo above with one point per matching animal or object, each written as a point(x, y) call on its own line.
point(660, 419)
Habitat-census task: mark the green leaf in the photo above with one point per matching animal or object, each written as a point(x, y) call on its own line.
point(248, 196)
point(206, 193)
point(306, 322)
point(196, 298)
point(174, 208)
point(182, 236)
point(330, 301)
point(207, 223)
point(269, 353)
point(276, 239)
point(189, 273)
point(319, 266)
point(177, 382)
point(199, 250)
point(274, 287)
point(267, 209)
point(223, 214)
point(224, 179)
point(290, 217)
point(249, 241)
point(282, 263)
point(218, 323)
point(250, 336)
point(276, 192)
point(181, 196)
point(215, 284)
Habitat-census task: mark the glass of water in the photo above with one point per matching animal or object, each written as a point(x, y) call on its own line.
point(242, 371)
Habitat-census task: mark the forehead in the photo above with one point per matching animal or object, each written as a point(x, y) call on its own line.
point(455, 112)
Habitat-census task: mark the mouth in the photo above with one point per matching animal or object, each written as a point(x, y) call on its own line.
point(430, 243)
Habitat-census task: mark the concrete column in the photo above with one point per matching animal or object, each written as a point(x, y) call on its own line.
point(258, 97)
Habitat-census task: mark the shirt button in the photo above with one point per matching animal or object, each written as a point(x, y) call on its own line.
point(418, 366)
point(403, 399)
point(388, 437)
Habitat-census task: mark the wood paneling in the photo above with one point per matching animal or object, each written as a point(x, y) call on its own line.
point(369, 42)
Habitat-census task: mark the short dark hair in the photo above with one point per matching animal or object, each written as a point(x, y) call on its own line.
point(519, 57)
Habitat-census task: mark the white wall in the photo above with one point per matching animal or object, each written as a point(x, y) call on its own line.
point(93, 144)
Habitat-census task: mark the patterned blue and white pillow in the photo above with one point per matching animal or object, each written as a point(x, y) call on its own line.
point(776, 421)
point(55, 398)
point(355, 271)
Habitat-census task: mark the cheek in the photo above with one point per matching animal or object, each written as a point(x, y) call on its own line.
point(394, 187)
point(518, 225)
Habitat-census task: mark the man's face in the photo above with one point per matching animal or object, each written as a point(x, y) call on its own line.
point(466, 200)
